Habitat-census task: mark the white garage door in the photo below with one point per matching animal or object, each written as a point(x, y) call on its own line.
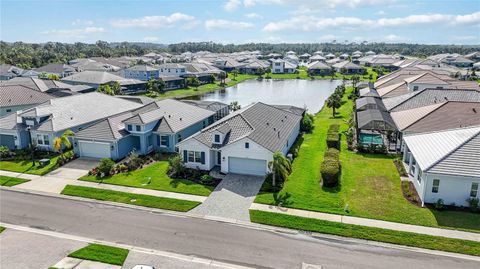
point(247, 166)
point(94, 149)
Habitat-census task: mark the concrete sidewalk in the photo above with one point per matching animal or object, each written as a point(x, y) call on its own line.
point(369, 222)
point(55, 185)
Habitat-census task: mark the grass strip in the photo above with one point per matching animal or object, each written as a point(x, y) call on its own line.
point(368, 233)
point(11, 181)
point(101, 253)
point(130, 198)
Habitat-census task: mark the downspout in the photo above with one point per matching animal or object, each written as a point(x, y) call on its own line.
point(425, 188)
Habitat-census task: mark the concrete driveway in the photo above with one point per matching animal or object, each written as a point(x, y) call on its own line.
point(232, 198)
point(75, 169)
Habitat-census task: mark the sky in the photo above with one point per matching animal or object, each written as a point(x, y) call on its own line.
point(241, 21)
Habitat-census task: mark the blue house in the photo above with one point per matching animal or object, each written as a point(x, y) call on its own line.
point(141, 72)
point(157, 126)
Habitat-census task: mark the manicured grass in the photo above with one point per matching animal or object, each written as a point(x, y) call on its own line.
point(368, 233)
point(130, 198)
point(159, 180)
point(2, 229)
point(369, 187)
point(11, 181)
point(101, 253)
point(25, 166)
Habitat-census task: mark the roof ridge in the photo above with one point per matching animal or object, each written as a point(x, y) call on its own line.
point(453, 150)
point(428, 113)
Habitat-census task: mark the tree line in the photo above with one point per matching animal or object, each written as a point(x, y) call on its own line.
point(27, 55)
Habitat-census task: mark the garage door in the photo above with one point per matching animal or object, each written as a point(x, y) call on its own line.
point(247, 166)
point(94, 149)
point(7, 141)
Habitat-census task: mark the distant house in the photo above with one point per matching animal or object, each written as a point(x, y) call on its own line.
point(141, 72)
point(97, 78)
point(283, 67)
point(16, 97)
point(227, 64)
point(349, 68)
point(254, 67)
point(61, 70)
point(221, 110)
point(52, 87)
point(329, 56)
point(317, 57)
point(444, 165)
point(462, 62)
point(244, 141)
point(171, 69)
point(173, 82)
point(159, 125)
point(51, 118)
point(319, 69)
point(8, 71)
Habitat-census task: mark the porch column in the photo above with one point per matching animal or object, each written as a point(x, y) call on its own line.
point(405, 155)
point(410, 163)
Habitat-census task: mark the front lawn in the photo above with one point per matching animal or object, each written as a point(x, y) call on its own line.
point(101, 253)
point(130, 198)
point(368, 233)
point(26, 166)
point(370, 185)
point(11, 181)
point(159, 180)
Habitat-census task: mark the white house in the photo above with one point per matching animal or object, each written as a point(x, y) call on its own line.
point(444, 165)
point(280, 66)
point(244, 141)
point(171, 69)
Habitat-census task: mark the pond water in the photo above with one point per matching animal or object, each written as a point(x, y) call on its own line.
point(297, 92)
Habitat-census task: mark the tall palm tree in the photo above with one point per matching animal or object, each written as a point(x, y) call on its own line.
point(280, 166)
point(334, 102)
point(63, 141)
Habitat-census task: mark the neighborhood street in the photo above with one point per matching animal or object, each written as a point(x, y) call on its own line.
point(205, 238)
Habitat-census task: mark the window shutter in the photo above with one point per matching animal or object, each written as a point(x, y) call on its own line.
point(168, 141)
point(158, 140)
point(202, 158)
point(185, 156)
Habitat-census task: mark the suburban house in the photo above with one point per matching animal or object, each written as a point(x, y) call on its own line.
point(280, 66)
point(48, 120)
point(140, 72)
point(158, 126)
point(254, 67)
point(244, 141)
point(227, 64)
point(349, 68)
point(221, 110)
point(96, 78)
point(444, 165)
point(171, 69)
point(319, 68)
point(52, 87)
point(16, 97)
point(8, 71)
point(173, 82)
point(60, 70)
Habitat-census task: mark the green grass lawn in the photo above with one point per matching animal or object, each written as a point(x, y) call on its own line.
point(130, 198)
point(2, 229)
point(370, 185)
point(159, 180)
point(11, 181)
point(101, 253)
point(368, 233)
point(25, 166)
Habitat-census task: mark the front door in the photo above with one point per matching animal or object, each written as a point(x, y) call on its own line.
point(219, 158)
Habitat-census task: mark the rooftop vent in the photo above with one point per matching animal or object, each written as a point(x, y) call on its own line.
point(180, 119)
point(268, 124)
point(474, 110)
point(274, 129)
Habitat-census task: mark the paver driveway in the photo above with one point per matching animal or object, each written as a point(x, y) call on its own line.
point(232, 198)
point(75, 169)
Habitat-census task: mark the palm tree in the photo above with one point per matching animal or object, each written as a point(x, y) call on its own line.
point(235, 74)
point(334, 102)
point(63, 141)
point(222, 76)
point(280, 166)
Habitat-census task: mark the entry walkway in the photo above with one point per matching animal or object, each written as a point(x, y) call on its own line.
point(232, 198)
point(369, 222)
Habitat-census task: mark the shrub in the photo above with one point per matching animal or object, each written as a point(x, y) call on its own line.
point(473, 204)
point(307, 125)
point(439, 205)
point(332, 153)
point(333, 140)
point(206, 179)
point(4, 152)
point(134, 161)
point(334, 128)
point(330, 171)
point(175, 166)
point(106, 165)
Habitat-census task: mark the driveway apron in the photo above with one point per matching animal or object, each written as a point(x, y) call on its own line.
point(232, 198)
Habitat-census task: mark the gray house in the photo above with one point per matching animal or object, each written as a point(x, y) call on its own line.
point(16, 97)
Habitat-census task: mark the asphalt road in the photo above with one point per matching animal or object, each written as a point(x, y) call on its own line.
point(204, 238)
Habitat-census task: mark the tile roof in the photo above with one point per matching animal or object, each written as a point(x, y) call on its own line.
point(111, 128)
point(454, 152)
point(393, 90)
point(93, 77)
point(266, 125)
point(426, 78)
point(17, 95)
point(405, 118)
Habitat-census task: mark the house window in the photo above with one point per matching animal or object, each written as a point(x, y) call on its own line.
point(179, 137)
point(46, 140)
point(191, 156)
point(204, 124)
point(474, 190)
point(436, 184)
point(415, 88)
point(217, 138)
point(164, 141)
point(194, 157)
point(129, 127)
point(138, 128)
point(39, 139)
point(198, 157)
point(247, 145)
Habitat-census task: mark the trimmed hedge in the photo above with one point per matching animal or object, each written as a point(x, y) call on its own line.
point(330, 167)
point(332, 153)
point(333, 136)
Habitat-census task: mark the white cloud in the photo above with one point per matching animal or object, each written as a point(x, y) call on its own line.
point(253, 16)
point(327, 38)
point(232, 5)
point(150, 38)
point(227, 25)
point(380, 13)
point(392, 38)
point(466, 37)
point(73, 34)
point(312, 23)
point(154, 21)
point(82, 22)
